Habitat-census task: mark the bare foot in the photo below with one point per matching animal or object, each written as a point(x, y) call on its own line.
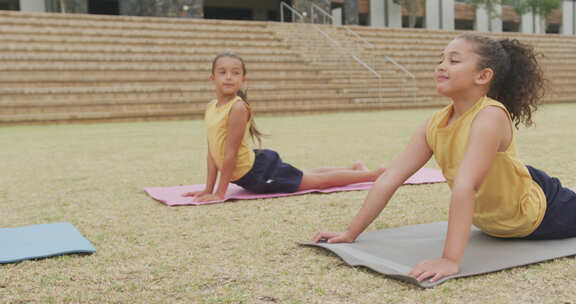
point(359, 166)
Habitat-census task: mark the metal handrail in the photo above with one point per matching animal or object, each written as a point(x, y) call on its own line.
point(373, 72)
point(358, 60)
point(407, 72)
point(325, 13)
point(391, 60)
point(291, 9)
point(368, 45)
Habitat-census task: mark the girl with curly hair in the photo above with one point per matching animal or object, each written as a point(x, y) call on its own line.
point(494, 86)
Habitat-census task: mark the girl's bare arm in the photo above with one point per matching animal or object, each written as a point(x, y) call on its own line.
point(212, 172)
point(211, 175)
point(414, 156)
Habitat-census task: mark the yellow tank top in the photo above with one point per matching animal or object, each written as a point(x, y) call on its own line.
point(508, 202)
point(216, 126)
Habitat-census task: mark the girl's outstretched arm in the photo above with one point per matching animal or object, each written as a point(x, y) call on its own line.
point(414, 156)
point(490, 133)
point(237, 121)
point(212, 174)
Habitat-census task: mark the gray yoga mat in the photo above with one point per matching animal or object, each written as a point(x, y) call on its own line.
point(41, 241)
point(395, 251)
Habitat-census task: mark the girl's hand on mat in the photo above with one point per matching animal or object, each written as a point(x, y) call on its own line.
point(208, 198)
point(434, 269)
point(196, 193)
point(332, 237)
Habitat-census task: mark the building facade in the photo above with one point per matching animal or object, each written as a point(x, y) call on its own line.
point(431, 14)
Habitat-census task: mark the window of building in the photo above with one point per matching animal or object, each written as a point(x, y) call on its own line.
point(553, 29)
point(10, 5)
point(463, 24)
point(228, 13)
point(104, 7)
point(244, 10)
point(419, 22)
point(510, 26)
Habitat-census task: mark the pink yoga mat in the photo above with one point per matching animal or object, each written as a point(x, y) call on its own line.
point(172, 196)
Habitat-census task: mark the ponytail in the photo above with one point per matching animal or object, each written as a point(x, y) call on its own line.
point(523, 87)
point(518, 80)
point(255, 134)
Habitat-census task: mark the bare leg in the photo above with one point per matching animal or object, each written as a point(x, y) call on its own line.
point(357, 166)
point(338, 178)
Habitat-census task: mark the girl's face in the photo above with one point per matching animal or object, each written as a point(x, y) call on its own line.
point(458, 70)
point(228, 76)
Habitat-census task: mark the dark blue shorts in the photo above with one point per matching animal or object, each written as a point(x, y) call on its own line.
point(560, 217)
point(270, 175)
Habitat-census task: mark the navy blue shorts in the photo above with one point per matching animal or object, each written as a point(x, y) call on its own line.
point(270, 175)
point(560, 217)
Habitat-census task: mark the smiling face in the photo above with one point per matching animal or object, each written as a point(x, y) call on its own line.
point(228, 76)
point(458, 70)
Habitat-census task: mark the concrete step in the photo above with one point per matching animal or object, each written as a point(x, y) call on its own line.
point(131, 115)
point(12, 57)
point(139, 50)
point(255, 87)
point(75, 117)
point(89, 95)
point(137, 67)
point(148, 76)
point(191, 33)
point(127, 23)
point(48, 97)
point(95, 42)
point(100, 104)
point(393, 99)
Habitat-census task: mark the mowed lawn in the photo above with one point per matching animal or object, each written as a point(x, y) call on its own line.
point(92, 175)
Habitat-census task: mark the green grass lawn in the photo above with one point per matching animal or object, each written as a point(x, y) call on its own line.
point(245, 251)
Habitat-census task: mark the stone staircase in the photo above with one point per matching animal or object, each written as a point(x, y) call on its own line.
point(99, 68)
point(70, 68)
point(347, 61)
point(418, 50)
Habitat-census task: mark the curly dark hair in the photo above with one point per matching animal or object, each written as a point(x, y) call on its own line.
point(518, 81)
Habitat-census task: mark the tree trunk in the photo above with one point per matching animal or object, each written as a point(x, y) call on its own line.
point(543, 25)
point(411, 21)
point(412, 7)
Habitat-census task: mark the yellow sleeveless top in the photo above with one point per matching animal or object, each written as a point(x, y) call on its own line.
point(508, 202)
point(216, 126)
